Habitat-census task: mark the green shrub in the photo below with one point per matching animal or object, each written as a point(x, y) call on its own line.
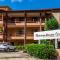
point(50, 42)
point(18, 47)
point(45, 42)
point(41, 51)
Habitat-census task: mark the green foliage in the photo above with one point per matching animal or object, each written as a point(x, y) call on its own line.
point(41, 51)
point(19, 47)
point(51, 24)
point(47, 42)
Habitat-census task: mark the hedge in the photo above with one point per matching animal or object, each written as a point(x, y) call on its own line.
point(41, 51)
point(19, 47)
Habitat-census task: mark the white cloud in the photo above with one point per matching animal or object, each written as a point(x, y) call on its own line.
point(16, 0)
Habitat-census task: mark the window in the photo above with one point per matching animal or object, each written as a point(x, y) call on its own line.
point(32, 31)
point(11, 20)
point(42, 28)
point(43, 20)
point(20, 32)
point(0, 18)
point(35, 19)
point(17, 19)
point(21, 19)
point(29, 20)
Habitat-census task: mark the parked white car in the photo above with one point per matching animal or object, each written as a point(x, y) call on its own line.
point(7, 47)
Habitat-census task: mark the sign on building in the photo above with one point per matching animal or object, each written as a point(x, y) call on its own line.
point(53, 34)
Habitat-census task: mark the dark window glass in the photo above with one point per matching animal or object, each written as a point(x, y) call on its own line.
point(19, 32)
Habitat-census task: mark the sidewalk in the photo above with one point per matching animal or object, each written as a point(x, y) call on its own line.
point(16, 56)
point(20, 59)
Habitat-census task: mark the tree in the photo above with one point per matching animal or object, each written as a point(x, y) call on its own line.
point(51, 24)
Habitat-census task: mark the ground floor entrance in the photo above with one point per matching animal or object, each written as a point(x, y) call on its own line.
point(59, 44)
point(56, 43)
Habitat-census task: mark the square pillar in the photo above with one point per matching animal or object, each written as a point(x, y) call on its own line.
point(56, 43)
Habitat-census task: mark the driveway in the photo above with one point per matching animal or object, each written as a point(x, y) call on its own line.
point(15, 56)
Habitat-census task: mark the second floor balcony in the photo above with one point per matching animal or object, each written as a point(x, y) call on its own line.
point(1, 23)
point(20, 37)
point(34, 24)
point(14, 25)
point(22, 24)
point(1, 36)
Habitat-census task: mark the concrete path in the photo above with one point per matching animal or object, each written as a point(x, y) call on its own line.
point(16, 56)
point(20, 59)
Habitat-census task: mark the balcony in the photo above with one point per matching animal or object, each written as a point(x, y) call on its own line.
point(19, 37)
point(1, 23)
point(42, 24)
point(16, 22)
point(29, 36)
point(33, 24)
point(1, 20)
point(1, 36)
point(36, 24)
point(14, 25)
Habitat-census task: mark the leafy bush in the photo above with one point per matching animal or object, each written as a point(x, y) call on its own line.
point(41, 51)
point(50, 42)
point(18, 47)
point(45, 41)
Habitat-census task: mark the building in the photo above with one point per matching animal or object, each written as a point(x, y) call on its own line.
point(18, 27)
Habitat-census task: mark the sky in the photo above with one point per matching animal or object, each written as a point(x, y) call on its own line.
point(30, 4)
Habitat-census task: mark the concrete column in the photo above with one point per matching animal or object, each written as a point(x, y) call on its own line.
point(38, 41)
point(2, 20)
point(45, 24)
point(56, 43)
point(3, 27)
point(25, 30)
point(40, 24)
point(40, 29)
